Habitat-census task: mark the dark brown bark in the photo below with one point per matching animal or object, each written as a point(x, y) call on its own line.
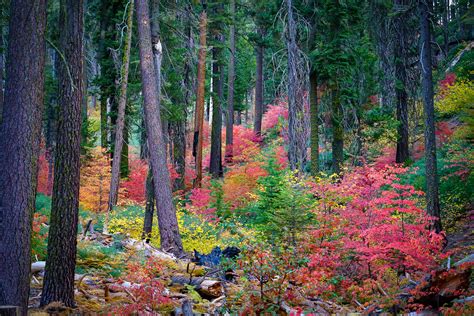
point(257, 126)
point(201, 85)
point(401, 51)
point(120, 123)
point(20, 131)
point(58, 283)
point(432, 198)
point(296, 116)
point(229, 135)
point(215, 165)
point(167, 221)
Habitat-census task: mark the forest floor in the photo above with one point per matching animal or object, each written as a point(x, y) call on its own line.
point(185, 283)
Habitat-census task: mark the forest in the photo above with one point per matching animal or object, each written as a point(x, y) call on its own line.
point(236, 157)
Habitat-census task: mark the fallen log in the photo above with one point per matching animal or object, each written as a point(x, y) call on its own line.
point(38, 266)
point(444, 285)
point(207, 288)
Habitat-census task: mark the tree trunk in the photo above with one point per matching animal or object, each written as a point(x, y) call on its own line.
point(120, 123)
point(167, 221)
point(124, 161)
point(384, 38)
point(157, 58)
point(2, 65)
point(149, 208)
point(432, 198)
point(103, 97)
point(103, 122)
point(337, 132)
point(58, 283)
point(238, 118)
point(20, 132)
point(179, 140)
point(51, 122)
point(229, 135)
point(179, 153)
point(201, 85)
point(401, 65)
point(296, 116)
point(215, 165)
point(445, 4)
point(257, 126)
point(314, 117)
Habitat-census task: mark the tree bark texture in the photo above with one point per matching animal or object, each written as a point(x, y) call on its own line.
point(120, 123)
point(58, 285)
point(157, 58)
point(2, 67)
point(296, 117)
point(201, 85)
point(215, 165)
point(229, 134)
point(383, 34)
point(314, 117)
point(167, 221)
point(20, 132)
point(432, 198)
point(401, 63)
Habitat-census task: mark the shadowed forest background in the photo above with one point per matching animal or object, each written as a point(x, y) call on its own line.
point(279, 157)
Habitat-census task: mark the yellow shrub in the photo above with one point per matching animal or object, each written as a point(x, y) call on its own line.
point(195, 232)
point(456, 98)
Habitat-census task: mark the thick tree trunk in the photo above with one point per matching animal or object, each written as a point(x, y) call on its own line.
point(337, 132)
point(201, 85)
point(20, 132)
point(58, 283)
point(432, 198)
point(215, 165)
point(401, 65)
point(314, 117)
point(120, 123)
point(167, 221)
point(257, 125)
point(296, 117)
point(229, 135)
